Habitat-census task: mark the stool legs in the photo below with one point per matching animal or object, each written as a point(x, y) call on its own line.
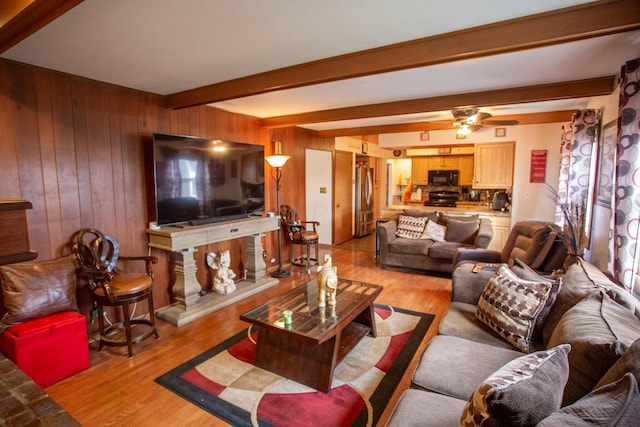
point(306, 259)
point(152, 315)
point(100, 324)
point(126, 326)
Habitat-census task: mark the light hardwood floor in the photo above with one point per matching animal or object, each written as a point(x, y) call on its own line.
point(119, 391)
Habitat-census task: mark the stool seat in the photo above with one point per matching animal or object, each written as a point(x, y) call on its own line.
point(126, 285)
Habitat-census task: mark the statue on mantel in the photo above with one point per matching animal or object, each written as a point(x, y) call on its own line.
point(223, 276)
point(327, 282)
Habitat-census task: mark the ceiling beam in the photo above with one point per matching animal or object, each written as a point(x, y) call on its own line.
point(22, 18)
point(559, 26)
point(524, 119)
point(517, 95)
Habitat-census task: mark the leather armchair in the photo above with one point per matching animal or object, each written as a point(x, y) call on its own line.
point(533, 242)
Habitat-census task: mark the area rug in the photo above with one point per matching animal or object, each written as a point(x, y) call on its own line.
point(223, 381)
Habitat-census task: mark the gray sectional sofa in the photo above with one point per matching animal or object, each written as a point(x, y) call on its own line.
point(464, 231)
point(578, 363)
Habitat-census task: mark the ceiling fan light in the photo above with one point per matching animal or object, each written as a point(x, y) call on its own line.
point(464, 129)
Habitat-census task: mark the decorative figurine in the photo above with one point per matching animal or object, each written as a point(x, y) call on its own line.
point(327, 282)
point(223, 278)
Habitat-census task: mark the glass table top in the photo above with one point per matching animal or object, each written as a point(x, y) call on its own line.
point(308, 319)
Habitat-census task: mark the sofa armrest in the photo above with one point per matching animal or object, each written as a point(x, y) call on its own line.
point(485, 234)
point(477, 255)
point(385, 233)
point(467, 286)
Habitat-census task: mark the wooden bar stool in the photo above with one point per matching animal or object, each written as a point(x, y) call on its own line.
point(97, 255)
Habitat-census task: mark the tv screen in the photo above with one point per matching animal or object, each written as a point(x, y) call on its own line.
point(199, 180)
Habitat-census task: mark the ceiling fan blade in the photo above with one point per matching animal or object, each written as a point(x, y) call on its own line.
point(481, 116)
point(500, 123)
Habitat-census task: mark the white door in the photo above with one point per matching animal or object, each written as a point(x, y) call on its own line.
point(319, 191)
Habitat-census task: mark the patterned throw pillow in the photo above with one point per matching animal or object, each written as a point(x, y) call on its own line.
point(523, 271)
point(510, 306)
point(410, 227)
point(434, 231)
point(521, 393)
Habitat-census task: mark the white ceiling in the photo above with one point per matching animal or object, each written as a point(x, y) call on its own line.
point(168, 46)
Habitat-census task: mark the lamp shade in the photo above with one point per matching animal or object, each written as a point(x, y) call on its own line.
point(277, 161)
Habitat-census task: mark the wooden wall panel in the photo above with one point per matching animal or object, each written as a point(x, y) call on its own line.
point(8, 150)
point(76, 149)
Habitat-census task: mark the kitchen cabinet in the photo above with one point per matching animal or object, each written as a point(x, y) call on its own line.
point(420, 167)
point(501, 228)
point(419, 170)
point(465, 168)
point(443, 162)
point(493, 165)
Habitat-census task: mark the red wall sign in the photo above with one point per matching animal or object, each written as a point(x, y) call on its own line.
point(538, 165)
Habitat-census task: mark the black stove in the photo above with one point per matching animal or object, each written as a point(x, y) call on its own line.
point(442, 198)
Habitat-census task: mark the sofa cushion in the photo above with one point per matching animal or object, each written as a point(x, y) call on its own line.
point(417, 408)
point(434, 231)
point(460, 321)
point(581, 280)
point(615, 404)
point(599, 331)
point(474, 362)
point(38, 289)
point(410, 227)
point(616, 291)
point(523, 271)
point(628, 363)
point(462, 231)
point(410, 246)
point(510, 306)
point(444, 218)
point(444, 250)
point(431, 215)
point(521, 393)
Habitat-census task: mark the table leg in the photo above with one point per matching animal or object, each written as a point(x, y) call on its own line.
point(298, 359)
point(255, 265)
point(186, 288)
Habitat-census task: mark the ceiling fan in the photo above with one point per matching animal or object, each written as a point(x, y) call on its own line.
point(468, 120)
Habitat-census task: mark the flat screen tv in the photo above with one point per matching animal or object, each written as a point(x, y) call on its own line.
point(199, 180)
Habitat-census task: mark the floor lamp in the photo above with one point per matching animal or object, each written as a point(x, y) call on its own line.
point(277, 161)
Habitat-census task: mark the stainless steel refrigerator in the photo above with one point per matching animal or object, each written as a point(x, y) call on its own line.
point(364, 199)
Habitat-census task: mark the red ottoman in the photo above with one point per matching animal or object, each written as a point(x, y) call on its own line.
point(48, 349)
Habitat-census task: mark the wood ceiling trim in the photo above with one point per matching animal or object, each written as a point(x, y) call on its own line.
point(517, 95)
point(524, 119)
point(31, 18)
point(544, 29)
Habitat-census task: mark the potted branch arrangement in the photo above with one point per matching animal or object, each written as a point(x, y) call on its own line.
point(572, 233)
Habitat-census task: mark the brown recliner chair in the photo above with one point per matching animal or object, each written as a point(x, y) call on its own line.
point(300, 233)
point(535, 243)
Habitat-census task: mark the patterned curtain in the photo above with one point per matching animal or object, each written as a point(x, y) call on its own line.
point(576, 173)
point(565, 163)
point(627, 180)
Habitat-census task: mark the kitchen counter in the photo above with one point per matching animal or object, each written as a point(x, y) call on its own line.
point(462, 208)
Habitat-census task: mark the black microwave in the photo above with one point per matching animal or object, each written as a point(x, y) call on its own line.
point(442, 177)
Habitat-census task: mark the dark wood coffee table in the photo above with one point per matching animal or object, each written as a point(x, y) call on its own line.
point(309, 349)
